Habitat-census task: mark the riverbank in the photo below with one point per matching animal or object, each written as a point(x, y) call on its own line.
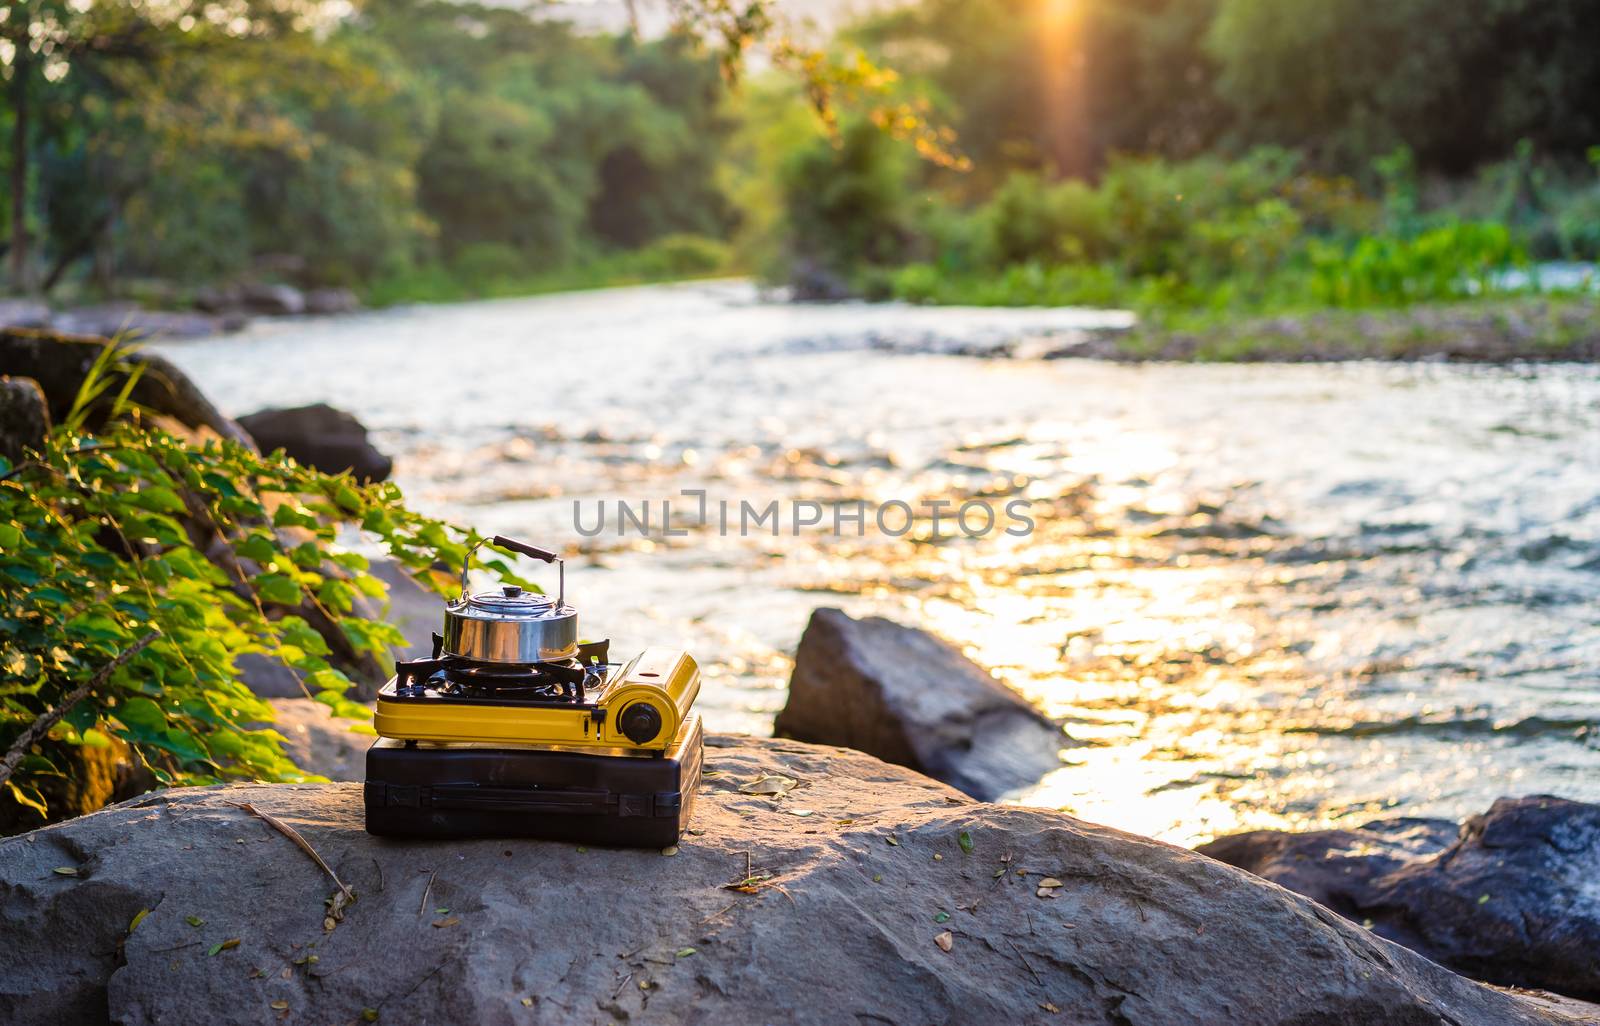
point(1522, 329)
point(1498, 330)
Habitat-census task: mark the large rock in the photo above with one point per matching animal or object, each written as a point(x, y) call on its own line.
point(24, 417)
point(325, 302)
point(909, 698)
point(831, 905)
point(320, 436)
point(267, 677)
point(59, 364)
point(1509, 897)
point(320, 742)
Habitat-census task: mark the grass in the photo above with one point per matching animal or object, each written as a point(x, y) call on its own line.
point(1489, 330)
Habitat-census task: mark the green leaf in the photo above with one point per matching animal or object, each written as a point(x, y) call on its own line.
point(307, 555)
point(337, 595)
point(158, 499)
point(300, 634)
point(141, 712)
point(291, 515)
point(965, 840)
point(258, 547)
point(137, 919)
point(352, 561)
point(185, 744)
point(684, 952)
point(10, 537)
point(279, 588)
point(370, 586)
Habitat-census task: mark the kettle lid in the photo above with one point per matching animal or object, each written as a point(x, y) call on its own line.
point(510, 601)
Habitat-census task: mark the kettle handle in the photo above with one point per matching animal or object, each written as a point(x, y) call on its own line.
point(523, 547)
point(535, 551)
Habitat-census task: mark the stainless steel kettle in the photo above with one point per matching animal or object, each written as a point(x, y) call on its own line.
point(509, 624)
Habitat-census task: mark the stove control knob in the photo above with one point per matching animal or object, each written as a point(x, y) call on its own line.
point(639, 722)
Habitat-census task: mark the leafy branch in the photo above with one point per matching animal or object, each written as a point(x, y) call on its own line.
point(137, 567)
point(42, 726)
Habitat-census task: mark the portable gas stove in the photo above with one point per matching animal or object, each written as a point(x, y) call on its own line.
point(514, 727)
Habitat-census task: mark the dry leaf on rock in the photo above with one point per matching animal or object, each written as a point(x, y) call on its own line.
point(771, 784)
point(945, 940)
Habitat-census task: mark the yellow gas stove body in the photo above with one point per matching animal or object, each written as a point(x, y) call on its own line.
point(639, 708)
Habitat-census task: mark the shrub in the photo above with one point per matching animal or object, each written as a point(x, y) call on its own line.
point(1451, 261)
point(136, 567)
point(681, 256)
point(1030, 220)
point(480, 265)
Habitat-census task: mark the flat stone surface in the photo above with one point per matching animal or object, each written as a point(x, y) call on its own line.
point(859, 904)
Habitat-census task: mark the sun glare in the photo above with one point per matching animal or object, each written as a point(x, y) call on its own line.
point(1057, 14)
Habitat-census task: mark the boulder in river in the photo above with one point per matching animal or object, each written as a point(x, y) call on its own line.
point(24, 417)
point(866, 894)
point(60, 362)
point(325, 302)
point(319, 436)
point(271, 300)
point(909, 698)
point(1509, 897)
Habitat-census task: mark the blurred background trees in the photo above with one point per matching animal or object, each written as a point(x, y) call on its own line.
point(427, 149)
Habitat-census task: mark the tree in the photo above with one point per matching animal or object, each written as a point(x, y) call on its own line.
point(1458, 83)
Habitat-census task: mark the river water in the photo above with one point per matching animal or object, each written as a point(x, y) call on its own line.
point(1259, 595)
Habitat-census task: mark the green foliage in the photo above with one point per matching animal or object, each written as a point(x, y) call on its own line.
point(1448, 262)
point(361, 148)
point(1029, 220)
point(681, 256)
point(1458, 83)
point(845, 204)
point(1206, 235)
point(215, 551)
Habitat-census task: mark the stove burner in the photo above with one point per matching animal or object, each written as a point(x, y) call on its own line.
point(450, 676)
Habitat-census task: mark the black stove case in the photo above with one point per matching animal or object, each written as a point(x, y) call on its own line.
point(480, 790)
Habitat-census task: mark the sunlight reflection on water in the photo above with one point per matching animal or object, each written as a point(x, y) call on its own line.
point(1260, 595)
